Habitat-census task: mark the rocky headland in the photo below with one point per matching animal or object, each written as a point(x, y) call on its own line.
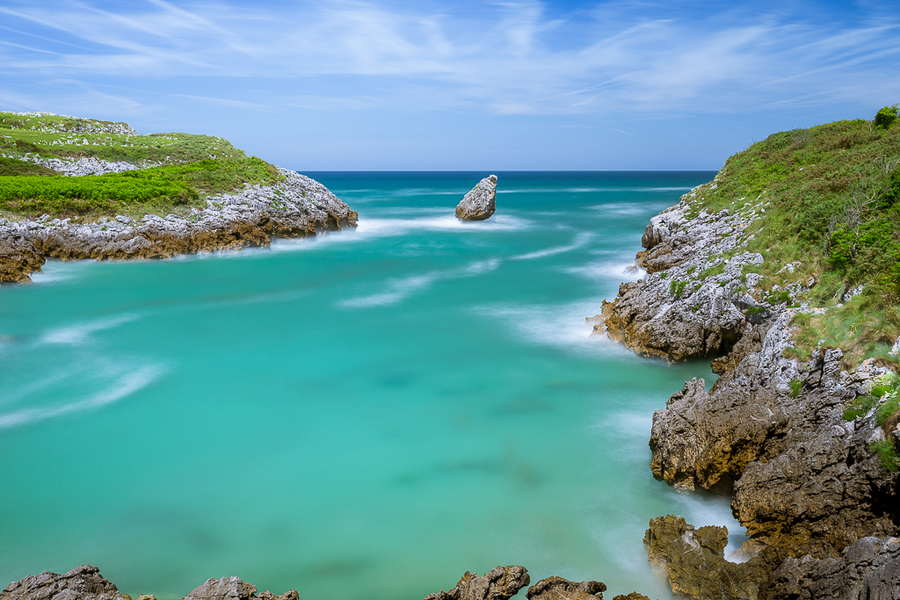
point(802, 439)
point(250, 214)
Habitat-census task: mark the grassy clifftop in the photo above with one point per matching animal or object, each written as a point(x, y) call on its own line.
point(827, 203)
point(176, 170)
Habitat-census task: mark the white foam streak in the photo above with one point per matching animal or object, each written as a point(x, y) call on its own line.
point(604, 270)
point(400, 289)
point(580, 240)
point(79, 334)
point(559, 326)
point(121, 388)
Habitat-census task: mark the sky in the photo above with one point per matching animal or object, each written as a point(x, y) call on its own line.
point(442, 85)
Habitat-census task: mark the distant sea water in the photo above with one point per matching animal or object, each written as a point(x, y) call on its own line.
point(365, 414)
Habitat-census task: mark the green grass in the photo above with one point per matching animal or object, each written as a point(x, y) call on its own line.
point(831, 201)
point(10, 167)
point(887, 454)
point(190, 167)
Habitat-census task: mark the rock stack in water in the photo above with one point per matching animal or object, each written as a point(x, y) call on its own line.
point(478, 204)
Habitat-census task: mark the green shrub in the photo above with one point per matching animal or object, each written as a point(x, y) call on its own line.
point(860, 406)
point(885, 117)
point(677, 288)
point(796, 386)
point(887, 454)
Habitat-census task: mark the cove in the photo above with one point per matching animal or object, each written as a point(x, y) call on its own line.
point(367, 413)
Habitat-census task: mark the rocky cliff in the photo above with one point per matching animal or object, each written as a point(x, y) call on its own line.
point(284, 204)
point(772, 432)
point(296, 206)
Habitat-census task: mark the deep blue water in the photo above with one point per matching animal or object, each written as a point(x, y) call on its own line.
point(369, 413)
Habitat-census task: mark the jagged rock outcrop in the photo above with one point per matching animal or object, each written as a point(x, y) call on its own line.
point(18, 256)
point(233, 588)
point(557, 588)
point(869, 568)
point(81, 583)
point(478, 204)
point(770, 432)
point(86, 583)
point(695, 562)
point(500, 584)
point(692, 303)
point(296, 206)
point(803, 478)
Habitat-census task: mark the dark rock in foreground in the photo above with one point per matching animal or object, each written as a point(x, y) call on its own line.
point(86, 583)
point(695, 561)
point(869, 568)
point(500, 584)
point(479, 204)
point(557, 588)
point(83, 582)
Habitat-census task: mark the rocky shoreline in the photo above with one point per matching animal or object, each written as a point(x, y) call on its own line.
point(295, 206)
point(771, 432)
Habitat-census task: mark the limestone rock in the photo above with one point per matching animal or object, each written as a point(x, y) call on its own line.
point(226, 588)
point(478, 204)
point(695, 562)
point(296, 206)
point(233, 588)
point(631, 596)
point(500, 584)
point(18, 256)
point(869, 568)
point(557, 588)
point(81, 583)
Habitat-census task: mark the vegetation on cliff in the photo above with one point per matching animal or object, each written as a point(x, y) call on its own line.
point(177, 170)
point(828, 200)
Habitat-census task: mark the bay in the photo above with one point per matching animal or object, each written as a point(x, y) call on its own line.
point(368, 413)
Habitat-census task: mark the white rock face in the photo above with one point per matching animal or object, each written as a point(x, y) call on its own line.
point(479, 204)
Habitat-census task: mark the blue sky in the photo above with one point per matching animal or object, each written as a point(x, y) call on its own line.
point(439, 85)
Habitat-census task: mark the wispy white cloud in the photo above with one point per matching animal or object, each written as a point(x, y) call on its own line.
point(514, 58)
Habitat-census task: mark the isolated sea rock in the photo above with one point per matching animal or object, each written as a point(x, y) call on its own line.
point(869, 568)
point(478, 204)
point(557, 588)
point(81, 583)
point(296, 206)
point(500, 584)
point(695, 562)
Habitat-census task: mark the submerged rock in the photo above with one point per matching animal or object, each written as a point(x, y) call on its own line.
point(500, 584)
point(478, 204)
point(81, 583)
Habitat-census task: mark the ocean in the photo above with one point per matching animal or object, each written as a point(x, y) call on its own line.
point(368, 413)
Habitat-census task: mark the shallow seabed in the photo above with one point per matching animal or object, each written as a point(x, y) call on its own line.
point(369, 413)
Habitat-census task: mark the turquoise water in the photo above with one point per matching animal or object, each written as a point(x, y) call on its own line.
point(367, 414)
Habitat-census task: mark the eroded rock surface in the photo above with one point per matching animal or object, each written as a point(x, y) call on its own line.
point(81, 583)
point(500, 584)
point(868, 569)
point(296, 206)
point(557, 588)
point(479, 204)
point(695, 562)
point(233, 588)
